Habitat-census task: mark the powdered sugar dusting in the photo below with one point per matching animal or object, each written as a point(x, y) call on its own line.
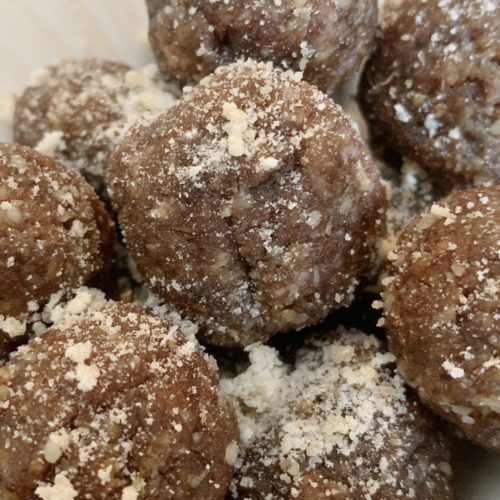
point(290, 183)
point(339, 395)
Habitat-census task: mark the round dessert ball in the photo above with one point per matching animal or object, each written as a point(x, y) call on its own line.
point(55, 235)
point(431, 88)
point(252, 206)
point(328, 41)
point(78, 110)
point(113, 404)
point(336, 423)
point(442, 310)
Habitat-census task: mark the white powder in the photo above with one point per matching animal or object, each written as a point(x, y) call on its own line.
point(79, 352)
point(238, 124)
point(62, 489)
point(68, 313)
point(145, 98)
point(85, 375)
point(131, 98)
point(313, 219)
point(13, 327)
point(77, 229)
point(453, 370)
point(55, 446)
point(402, 114)
point(432, 124)
point(442, 212)
point(261, 387)
point(51, 142)
point(338, 396)
point(104, 475)
point(129, 493)
point(268, 163)
point(492, 363)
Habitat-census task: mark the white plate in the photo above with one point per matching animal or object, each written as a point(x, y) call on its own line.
point(34, 33)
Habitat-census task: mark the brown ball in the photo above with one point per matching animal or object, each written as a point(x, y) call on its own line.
point(55, 235)
point(328, 41)
point(431, 88)
point(72, 103)
point(338, 423)
point(442, 310)
point(78, 110)
point(113, 404)
point(252, 206)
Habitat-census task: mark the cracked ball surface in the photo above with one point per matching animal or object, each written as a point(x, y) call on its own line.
point(252, 206)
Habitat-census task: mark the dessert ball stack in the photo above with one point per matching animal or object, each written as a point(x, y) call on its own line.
point(248, 205)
